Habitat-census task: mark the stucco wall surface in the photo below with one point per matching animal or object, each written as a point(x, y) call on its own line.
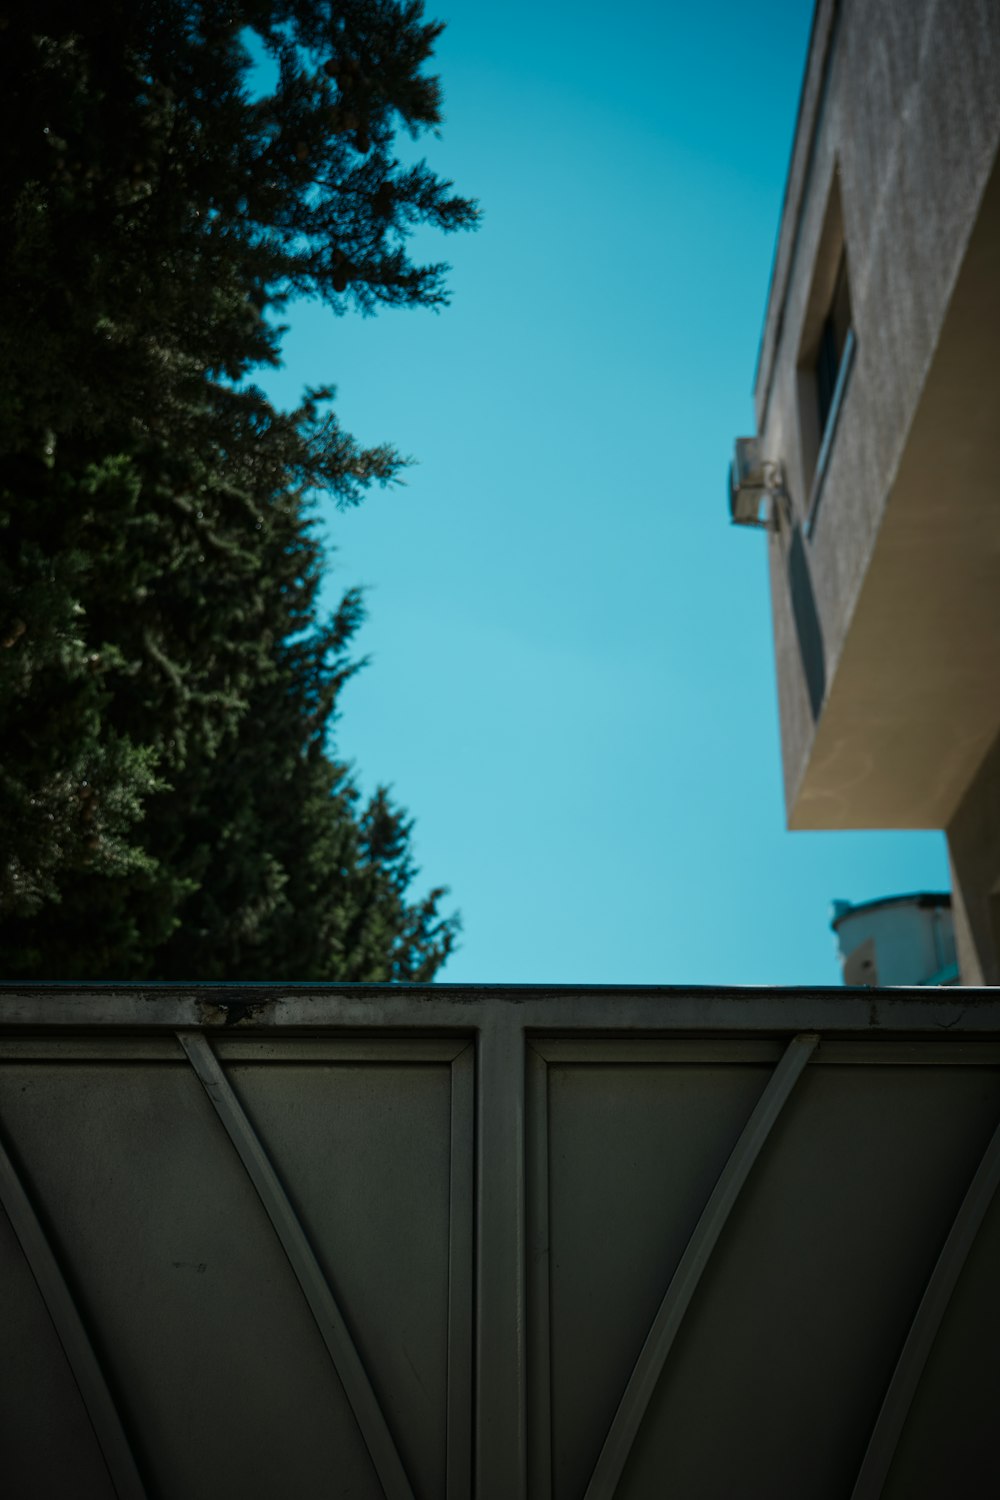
point(900, 121)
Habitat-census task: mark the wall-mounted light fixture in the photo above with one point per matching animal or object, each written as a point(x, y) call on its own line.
point(756, 485)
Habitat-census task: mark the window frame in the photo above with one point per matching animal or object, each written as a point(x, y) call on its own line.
point(830, 292)
point(830, 429)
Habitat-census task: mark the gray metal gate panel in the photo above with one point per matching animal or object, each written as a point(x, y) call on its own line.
point(454, 1242)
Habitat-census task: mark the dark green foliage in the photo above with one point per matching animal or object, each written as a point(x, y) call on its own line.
point(169, 806)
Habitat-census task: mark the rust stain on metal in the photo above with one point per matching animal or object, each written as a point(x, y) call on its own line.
point(231, 1012)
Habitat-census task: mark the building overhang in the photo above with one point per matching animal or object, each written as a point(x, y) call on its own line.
point(913, 699)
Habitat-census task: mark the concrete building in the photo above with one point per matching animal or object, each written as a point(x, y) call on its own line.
point(876, 467)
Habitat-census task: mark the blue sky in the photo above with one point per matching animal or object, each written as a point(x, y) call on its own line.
point(572, 683)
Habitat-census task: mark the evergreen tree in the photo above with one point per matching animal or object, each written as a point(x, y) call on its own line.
point(169, 803)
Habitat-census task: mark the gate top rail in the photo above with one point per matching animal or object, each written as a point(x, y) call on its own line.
point(602, 1009)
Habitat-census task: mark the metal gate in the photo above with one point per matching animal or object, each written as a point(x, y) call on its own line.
point(440, 1243)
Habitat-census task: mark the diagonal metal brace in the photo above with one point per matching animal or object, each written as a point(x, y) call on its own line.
point(315, 1287)
point(677, 1298)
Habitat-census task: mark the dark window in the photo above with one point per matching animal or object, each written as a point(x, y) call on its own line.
point(832, 343)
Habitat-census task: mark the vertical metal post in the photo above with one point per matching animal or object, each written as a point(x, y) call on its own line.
point(538, 1289)
point(501, 1460)
point(460, 1283)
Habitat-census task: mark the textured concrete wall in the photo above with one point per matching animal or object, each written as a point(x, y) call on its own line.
point(974, 850)
point(898, 133)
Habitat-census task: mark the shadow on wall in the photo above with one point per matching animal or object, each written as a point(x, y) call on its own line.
point(807, 626)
